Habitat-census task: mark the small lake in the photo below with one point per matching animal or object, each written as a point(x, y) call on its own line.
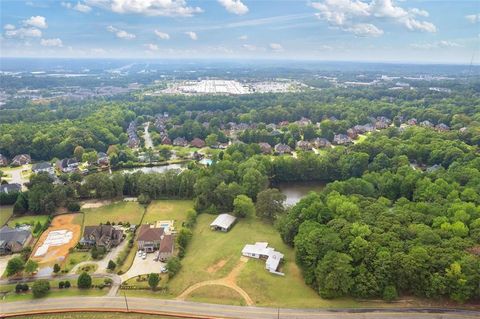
point(297, 190)
point(154, 169)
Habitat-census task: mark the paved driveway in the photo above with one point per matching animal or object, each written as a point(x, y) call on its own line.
point(142, 267)
point(103, 263)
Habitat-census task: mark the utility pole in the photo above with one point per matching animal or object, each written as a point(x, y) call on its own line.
point(278, 313)
point(126, 302)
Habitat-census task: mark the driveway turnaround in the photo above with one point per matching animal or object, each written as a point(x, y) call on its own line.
point(201, 310)
point(142, 266)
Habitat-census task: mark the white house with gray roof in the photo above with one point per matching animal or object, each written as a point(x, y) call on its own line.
point(260, 250)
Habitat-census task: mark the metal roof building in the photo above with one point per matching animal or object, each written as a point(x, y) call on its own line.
point(261, 251)
point(223, 222)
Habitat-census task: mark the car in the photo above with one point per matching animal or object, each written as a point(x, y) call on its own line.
point(140, 253)
point(144, 256)
point(163, 270)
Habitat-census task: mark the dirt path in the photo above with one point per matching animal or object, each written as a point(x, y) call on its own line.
point(230, 281)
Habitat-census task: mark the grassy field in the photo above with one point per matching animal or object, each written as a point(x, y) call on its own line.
point(168, 210)
point(75, 258)
point(93, 315)
point(212, 255)
point(223, 295)
point(121, 211)
point(5, 213)
point(55, 292)
point(29, 220)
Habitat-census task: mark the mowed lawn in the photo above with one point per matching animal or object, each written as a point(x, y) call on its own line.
point(168, 210)
point(28, 219)
point(5, 213)
point(116, 212)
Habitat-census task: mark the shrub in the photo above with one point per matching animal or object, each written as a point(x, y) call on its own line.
point(173, 266)
point(40, 288)
point(84, 281)
point(390, 293)
point(73, 206)
point(111, 265)
point(67, 284)
point(21, 288)
point(61, 285)
point(15, 265)
point(56, 268)
point(153, 280)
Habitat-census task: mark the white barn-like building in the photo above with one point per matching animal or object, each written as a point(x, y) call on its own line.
point(261, 251)
point(223, 222)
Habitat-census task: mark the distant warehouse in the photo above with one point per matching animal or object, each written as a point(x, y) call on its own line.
point(223, 222)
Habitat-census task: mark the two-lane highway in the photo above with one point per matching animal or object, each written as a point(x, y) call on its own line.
point(193, 309)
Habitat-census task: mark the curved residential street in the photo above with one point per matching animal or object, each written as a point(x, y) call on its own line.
point(147, 137)
point(193, 309)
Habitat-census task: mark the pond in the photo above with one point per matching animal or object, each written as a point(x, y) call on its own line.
point(154, 169)
point(297, 190)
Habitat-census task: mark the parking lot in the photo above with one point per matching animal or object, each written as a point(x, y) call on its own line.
point(142, 266)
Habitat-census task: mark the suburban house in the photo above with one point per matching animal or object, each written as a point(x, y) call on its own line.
point(167, 245)
point(43, 167)
point(3, 160)
point(265, 148)
point(105, 236)
point(149, 237)
point(67, 165)
point(21, 159)
point(352, 133)
point(304, 145)
point(13, 240)
point(260, 250)
point(180, 141)
point(442, 127)
point(10, 188)
point(223, 222)
point(321, 142)
point(282, 149)
point(341, 139)
point(426, 124)
point(103, 159)
point(166, 140)
point(197, 142)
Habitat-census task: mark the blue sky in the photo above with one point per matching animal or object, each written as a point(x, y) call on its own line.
point(351, 30)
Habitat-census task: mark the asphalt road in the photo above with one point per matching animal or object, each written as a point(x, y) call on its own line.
point(221, 311)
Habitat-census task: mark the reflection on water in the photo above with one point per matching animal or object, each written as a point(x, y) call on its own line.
point(296, 190)
point(154, 169)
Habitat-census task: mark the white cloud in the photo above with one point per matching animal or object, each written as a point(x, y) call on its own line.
point(81, 7)
point(351, 15)
point(151, 47)
point(435, 45)
point(249, 47)
point(67, 5)
point(162, 35)
point(51, 42)
point(23, 33)
point(234, 6)
point(192, 35)
point(365, 30)
point(275, 47)
point(9, 27)
point(37, 22)
point(473, 18)
point(98, 51)
point(243, 37)
point(121, 34)
point(168, 8)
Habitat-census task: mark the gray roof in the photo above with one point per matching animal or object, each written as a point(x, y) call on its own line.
point(223, 221)
point(10, 188)
point(15, 235)
point(42, 165)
